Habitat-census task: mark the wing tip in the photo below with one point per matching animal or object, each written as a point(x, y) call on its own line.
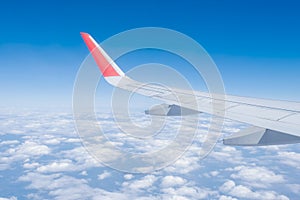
point(84, 33)
point(106, 65)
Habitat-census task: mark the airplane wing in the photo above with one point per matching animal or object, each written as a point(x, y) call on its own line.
point(272, 122)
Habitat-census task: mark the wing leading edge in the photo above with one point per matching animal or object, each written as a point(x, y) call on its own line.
point(273, 122)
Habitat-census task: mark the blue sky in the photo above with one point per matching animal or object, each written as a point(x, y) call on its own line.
point(255, 44)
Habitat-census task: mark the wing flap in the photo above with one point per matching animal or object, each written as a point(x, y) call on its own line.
point(256, 136)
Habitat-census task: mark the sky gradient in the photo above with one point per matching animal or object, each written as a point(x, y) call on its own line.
point(255, 44)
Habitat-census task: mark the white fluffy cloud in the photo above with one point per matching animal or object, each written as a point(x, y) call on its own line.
point(243, 192)
point(60, 166)
point(9, 198)
point(172, 181)
point(9, 142)
point(222, 197)
point(30, 165)
point(257, 176)
point(290, 158)
point(227, 154)
point(54, 163)
point(188, 192)
point(30, 148)
point(81, 158)
point(104, 175)
point(27, 150)
point(143, 183)
point(63, 187)
point(184, 165)
point(128, 176)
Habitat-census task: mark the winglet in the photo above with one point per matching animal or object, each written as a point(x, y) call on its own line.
point(106, 65)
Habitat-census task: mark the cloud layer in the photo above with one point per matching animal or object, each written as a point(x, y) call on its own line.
point(43, 158)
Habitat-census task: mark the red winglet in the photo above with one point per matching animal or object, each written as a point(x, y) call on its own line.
point(101, 59)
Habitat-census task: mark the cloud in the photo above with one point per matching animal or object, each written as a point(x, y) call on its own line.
point(187, 163)
point(214, 173)
point(54, 165)
point(26, 150)
point(76, 159)
point(81, 158)
point(84, 173)
point(143, 183)
point(243, 192)
point(9, 142)
point(171, 181)
point(53, 141)
point(290, 158)
point(226, 154)
point(295, 188)
point(30, 148)
point(227, 186)
point(104, 175)
point(60, 166)
point(30, 165)
point(254, 176)
point(41, 181)
point(128, 176)
point(188, 192)
point(226, 198)
point(10, 198)
point(62, 187)
point(73, 140)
